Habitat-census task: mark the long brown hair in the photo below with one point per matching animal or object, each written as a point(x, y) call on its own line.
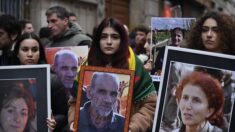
point(120, 59)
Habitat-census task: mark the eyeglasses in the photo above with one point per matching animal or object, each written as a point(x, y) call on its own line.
point(213, 29)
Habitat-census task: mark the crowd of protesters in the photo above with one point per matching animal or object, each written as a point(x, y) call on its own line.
point(110, 46)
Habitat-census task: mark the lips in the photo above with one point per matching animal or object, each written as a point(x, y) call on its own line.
point(187, 116)
point(106, 107)
point(15, 126)
point(209, 42)
point(30, 61)
point(108, 48)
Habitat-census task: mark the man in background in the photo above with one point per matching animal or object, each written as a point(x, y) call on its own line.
point(64, 32)
point(10, 30)
point(26, 26)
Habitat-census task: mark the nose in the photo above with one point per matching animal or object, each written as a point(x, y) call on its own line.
point(49, 25)
point(17, 116)
point(70, 73)
point(30, 53)
point(209, 33)
point(109, 41)
point(108, 99)
point(188, 104)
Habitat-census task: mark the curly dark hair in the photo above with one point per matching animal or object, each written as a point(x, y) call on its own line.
point(226, 27)
point(120, 59)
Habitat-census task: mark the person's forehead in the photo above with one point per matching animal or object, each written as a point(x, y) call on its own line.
point(140, 32)
point(210, 22)
point(106, 81)
point(53, 16)
point(28, 25)
point(72, 17)
point(67, 57)
point(109, 30)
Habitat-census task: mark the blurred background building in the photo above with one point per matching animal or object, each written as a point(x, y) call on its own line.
point(130, 12)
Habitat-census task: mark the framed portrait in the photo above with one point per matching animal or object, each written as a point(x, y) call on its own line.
point(80, 51)
point(179, 65)
point(104, 93)
point(25, 97)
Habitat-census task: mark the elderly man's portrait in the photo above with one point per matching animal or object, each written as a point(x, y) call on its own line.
point(65, 67)
point(80, 51)
point(106, 106)
point(17, 106)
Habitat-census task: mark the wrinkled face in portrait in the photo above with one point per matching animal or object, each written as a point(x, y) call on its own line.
point(66, 69)
point(28, 28)
point(210, 35)
point(109, 41)
point(104, 95)
point(194, 106)
point(177, 37)
point(6, 40)
point(14, 115)
point(140, 37)
point(29, 52)
point(148, 43)
point(57, 25)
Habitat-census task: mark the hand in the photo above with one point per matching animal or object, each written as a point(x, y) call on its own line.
point(71, 127)
point(148, 66)
point(51, 123)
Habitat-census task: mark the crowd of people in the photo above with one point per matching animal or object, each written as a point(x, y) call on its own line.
point(111, 47)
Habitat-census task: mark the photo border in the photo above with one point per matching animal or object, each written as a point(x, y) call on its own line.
point(43, 95)
point(109, 70)
point(195, 57)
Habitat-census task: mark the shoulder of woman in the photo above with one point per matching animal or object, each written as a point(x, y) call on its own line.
point(212, 128)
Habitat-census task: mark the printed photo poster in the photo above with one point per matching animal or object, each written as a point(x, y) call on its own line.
point(80, 51)
point(18, 100)
point(183, 100)
point(104, 92)
point(167, 32)
point(25, 98)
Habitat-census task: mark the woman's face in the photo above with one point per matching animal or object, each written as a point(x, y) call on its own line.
point(14, 116)
point(148, 43)
point(210, 35)
point(194, 106)
point(28, 52)
point(109, 41)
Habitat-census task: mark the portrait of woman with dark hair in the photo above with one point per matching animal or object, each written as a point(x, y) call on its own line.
point(200, 97)
point(17, 108)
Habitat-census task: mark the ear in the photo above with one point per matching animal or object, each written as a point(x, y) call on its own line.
point(88, 92)
point(53, 68)
point(13, 37)
point(66, 21)
point(210, 112)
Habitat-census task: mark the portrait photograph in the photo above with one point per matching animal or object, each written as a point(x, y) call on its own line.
point(80, 51)
point(196, 91)
point(104, 99)
point(25, 98)
point(166, 32)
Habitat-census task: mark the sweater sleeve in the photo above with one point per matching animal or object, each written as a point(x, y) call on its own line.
point(143, 114)
point(71, 112)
